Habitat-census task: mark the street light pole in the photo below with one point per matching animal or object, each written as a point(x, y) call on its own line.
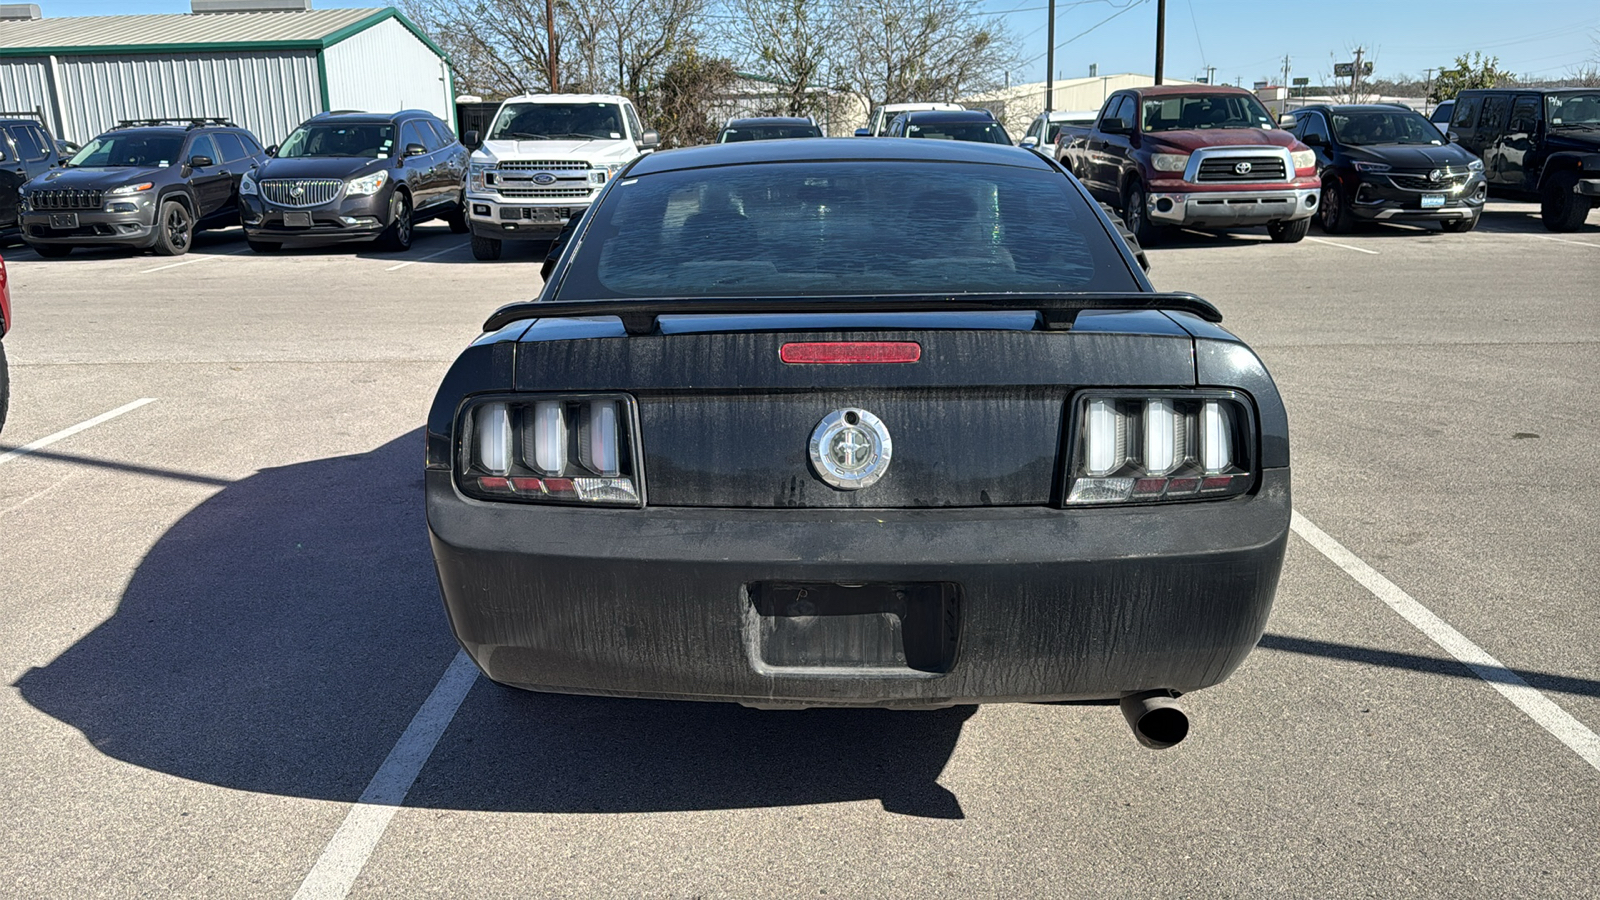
point(1050, 62)
point(1161, 37)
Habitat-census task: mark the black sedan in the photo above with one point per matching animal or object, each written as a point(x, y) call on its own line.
point(1387, 163)
point(356, 177)
point(768, 128)
point(857, 423)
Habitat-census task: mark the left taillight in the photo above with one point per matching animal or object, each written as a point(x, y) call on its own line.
point(1169, 445)
point(578, 449)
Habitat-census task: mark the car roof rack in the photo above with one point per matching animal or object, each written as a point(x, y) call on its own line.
point(1057, 311)
point(191, 122)
point(35, 113)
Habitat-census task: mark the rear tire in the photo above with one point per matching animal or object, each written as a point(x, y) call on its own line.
point(398, 234)
point(51, 251)
point(263, 246)
point(458, 222)
point(1137, 216)
point(486, 247)
point(1333, 211)
point(1561, 208)
point(174, 229)
point(1291, 232)
point(1460, 226)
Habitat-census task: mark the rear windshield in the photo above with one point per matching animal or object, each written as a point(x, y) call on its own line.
point(843, 228)
point(768, 133)
point(1204, 112)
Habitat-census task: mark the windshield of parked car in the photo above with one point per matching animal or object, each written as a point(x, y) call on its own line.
point(1573, 110)
point(371, 141)
point(978, 132)
point(558, 122)
point(767, 133)
point(1368, 127)
point(842, 228)
point(1204, 112)
point(130, 149)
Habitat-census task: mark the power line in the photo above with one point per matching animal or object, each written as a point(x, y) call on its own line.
point(1134, 5)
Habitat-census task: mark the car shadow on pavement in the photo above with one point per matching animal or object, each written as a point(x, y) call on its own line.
point(280, 636)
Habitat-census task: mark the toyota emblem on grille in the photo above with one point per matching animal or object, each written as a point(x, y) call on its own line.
point(1436, 176)
point(1242, 168)
point(544, 178)
point(850, 449)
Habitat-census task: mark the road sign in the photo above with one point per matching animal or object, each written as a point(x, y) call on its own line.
point(1301, 82)
point(1344, 70)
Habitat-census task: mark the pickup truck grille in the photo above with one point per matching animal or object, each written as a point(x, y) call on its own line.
point(66, 199)
point(1226, 169)
point(1448, 182)
point(301, 192)
point(544, 165)
point(544, 193)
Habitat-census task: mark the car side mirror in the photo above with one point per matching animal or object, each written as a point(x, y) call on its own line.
point(1028, 143)
point(650, 140)
point(200, 162)
point(1313, 140)
point(862, 132)
point(272, 150)
point(1450, 137)
point(470, 139)
point(1286, 120)
point(415, 149)
point(1116, 125)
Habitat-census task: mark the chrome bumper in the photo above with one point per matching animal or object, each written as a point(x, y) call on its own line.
point(1231, 207)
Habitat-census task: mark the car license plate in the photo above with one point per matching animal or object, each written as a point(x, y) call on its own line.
point(297, 220)
point(1432, 201)
point(550, 213)
point(63, 220)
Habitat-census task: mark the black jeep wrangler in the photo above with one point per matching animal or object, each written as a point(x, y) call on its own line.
point(147, 184)
point(1536, 142)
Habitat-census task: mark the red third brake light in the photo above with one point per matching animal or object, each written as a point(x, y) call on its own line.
point(837, 352)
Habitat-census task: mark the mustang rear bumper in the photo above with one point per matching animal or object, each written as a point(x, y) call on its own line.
point(1022, 603)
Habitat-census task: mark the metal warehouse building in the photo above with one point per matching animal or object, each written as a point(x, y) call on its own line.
point(266, 70)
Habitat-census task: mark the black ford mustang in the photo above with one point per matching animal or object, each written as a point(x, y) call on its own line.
point(833, 422)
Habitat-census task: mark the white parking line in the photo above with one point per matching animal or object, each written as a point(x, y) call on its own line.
point(43, 442)
point(1534, 704)
point(1343, 246)
point(1547, 237)
point(424, 258)
point(340, 864)
point(190, 262)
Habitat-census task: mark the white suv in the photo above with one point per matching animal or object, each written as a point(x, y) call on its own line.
point(543, 161)
point(882, 117)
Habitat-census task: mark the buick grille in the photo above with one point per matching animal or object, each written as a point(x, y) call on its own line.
point(300, 192)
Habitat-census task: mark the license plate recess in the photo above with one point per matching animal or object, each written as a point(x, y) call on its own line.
point(297, 220)
point(905, 627)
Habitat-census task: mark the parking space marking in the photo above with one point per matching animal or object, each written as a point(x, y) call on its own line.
point(187, 262)
point(1343, 246)
point(424, 258)
point(340, 864)
point(46, 441)
point(1547, 237)
point(1534, 704)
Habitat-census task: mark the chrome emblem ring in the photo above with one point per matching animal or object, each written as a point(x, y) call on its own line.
point(850, 449)
point(544, 178)
point(1243, 168)
point(1436, 176)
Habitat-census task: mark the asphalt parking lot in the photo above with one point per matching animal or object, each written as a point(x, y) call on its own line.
point(219, 619)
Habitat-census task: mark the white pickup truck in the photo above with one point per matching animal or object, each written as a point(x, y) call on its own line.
point(544, 159)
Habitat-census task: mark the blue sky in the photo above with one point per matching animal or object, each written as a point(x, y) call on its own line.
point(1244, 39)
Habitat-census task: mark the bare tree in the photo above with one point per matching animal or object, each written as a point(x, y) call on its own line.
point(794, 42)
point(497, 47)
point(904, 50)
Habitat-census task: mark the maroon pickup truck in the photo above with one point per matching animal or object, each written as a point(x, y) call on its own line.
point(1197, 157)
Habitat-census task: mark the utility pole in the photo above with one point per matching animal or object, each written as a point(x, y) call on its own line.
point(1427, 95)
point(1161, 36)
point(550, 45)
point(1355, 78)
point(1050, 62)
point(1284, 86)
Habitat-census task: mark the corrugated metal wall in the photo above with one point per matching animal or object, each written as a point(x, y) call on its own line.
point(25, 85)
point(267, 92)
point(386, 68)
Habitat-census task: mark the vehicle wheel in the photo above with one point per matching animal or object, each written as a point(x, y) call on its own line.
point(398, 235)
point(486, 247)
point(263, 246)
point(174, 229)
point(1137, 217)
point(458, 222)
point(1333, 210)
point(1460, 226)
point(1289, 232)
point(5, 387)
point(1561, 209)
point(51, 251)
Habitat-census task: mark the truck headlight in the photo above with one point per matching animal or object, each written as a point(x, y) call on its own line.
point(601, 174)
point(131, 189)
point(1304, 159)
point(544, 449)
point(476, 173)
point(1171, 445)
point(371, 184)
point(247, 185)
point(1169, 162)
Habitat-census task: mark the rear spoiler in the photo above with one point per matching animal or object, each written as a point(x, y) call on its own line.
point(1057, 310)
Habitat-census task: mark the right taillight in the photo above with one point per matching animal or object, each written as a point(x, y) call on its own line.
point(535, 449)
point(1130, 447)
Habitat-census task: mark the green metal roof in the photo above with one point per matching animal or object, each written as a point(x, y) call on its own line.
point(209, 33)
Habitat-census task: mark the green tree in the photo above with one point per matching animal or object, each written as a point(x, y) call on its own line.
point(1477, 72)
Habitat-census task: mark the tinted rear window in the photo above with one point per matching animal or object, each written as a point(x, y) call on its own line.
point(816, 229)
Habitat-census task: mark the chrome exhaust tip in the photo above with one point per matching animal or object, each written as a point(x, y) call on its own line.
point(1156, 719)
